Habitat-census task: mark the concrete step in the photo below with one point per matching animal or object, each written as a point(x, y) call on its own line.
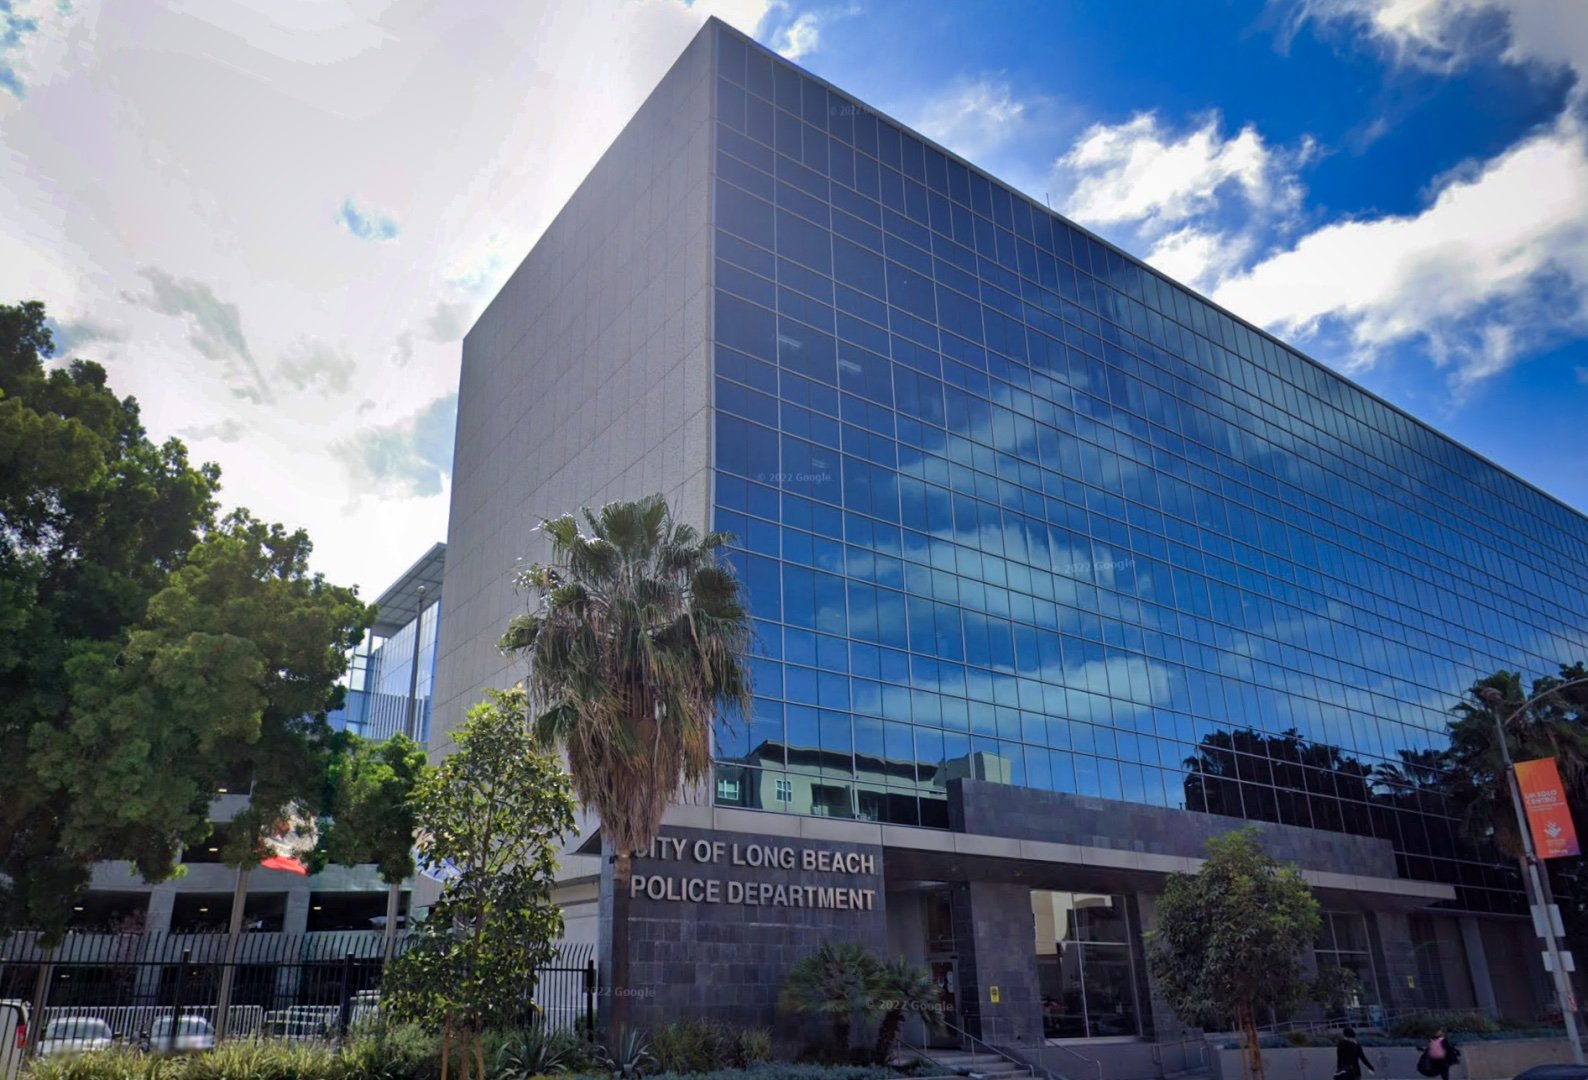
point(979, 1064)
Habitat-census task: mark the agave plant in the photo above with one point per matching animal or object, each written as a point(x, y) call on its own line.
point(629, 1055)
point(535, 1051)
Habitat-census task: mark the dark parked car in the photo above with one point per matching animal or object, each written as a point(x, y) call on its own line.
point(1555, 1072)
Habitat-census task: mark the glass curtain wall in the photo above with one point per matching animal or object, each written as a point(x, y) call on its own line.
point(1084, 969)
point(1012, 506)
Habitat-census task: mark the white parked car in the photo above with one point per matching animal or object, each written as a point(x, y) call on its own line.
point(13, 1036)
point(192, 1034)
point(75, 1035)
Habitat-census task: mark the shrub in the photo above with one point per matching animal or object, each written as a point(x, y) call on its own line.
point(755, 1046)
point(835, 981)
point(1424, 1025)
point(536, 1051)
point(113, 1065)
point(390, 1052)
point(694, 1046)
point(251, 1060)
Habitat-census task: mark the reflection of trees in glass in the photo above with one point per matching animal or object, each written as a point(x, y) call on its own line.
point(1434, 803)
point(1283, 778)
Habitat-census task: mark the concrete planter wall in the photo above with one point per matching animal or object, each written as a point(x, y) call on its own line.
point(1495, 1060)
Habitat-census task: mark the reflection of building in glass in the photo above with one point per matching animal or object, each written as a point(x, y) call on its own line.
point(1084, 965)
point(1057, 569)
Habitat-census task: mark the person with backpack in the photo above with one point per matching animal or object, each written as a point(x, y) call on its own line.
point(1439, 1056)
point(1349, 1057)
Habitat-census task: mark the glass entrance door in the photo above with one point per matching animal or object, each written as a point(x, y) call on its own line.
point(945, 973)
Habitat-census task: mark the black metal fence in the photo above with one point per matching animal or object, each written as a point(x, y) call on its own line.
point(140, 989)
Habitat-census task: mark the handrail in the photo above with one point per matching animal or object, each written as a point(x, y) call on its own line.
point(1093, 1062)
point(998, 1051)
point(1199, 1041)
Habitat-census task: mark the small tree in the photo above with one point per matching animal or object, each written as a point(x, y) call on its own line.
point(371, 817)
point(1230, 939)
point(495, 811)
point(836, 981)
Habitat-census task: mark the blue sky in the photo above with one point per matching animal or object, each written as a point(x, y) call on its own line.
point(275, 221)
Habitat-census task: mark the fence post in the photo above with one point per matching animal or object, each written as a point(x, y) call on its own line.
point(590, 999)
point(176, 1005)
point(347, 994)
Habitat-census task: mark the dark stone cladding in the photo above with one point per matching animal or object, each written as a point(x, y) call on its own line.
point(991, 809)
point(728, 961)
point(994, 932)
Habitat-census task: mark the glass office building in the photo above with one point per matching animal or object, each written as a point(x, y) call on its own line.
point(1057, 571)
point(1007, 496)
point(392, 673)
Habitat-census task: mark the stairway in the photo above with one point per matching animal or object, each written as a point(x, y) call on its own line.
point(971, 1063)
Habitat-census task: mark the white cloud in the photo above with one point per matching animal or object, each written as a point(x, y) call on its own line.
point(1443, 35)
point(229, 430)
point(1139, 172)
point(1196, 201)
point(318, 367)
point(409, 458)
point(1496, 264)
point(222, 139)
point(799, 37)
point(976, 117)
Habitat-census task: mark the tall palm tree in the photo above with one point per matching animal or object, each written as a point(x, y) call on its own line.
point(636, 638)
point(1546, 723)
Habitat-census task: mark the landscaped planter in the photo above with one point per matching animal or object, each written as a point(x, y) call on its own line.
point(1491, 1059)
point(1291, 1063)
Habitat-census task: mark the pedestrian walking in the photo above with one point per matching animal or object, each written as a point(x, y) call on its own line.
point(1438, 1057)
point(1349, 1057)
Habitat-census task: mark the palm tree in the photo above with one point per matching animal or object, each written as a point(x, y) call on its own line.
point(898, 988)
point(837, 981)
point(1547, 723)
point(635, 637)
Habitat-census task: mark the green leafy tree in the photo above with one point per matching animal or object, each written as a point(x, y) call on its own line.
point(147, 652)
point(1230, 940)
point(230, 672)
point(898, 989)
point(635, 639)
point(93, 516)
point(493, 813)
point(837, 981)
point(369, 814)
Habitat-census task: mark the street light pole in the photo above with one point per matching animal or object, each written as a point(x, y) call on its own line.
point(1531, 874)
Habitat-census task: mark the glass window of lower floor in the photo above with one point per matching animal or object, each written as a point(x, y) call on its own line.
point(1343, 943)
point(1085, 966)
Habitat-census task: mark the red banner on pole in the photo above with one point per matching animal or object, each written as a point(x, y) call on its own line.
point(1548, 816)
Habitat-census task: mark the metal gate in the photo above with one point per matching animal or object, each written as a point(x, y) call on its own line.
point(566, 991)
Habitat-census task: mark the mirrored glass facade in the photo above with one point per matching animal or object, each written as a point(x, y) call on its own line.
point(389, 687)
point(1011, 505)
